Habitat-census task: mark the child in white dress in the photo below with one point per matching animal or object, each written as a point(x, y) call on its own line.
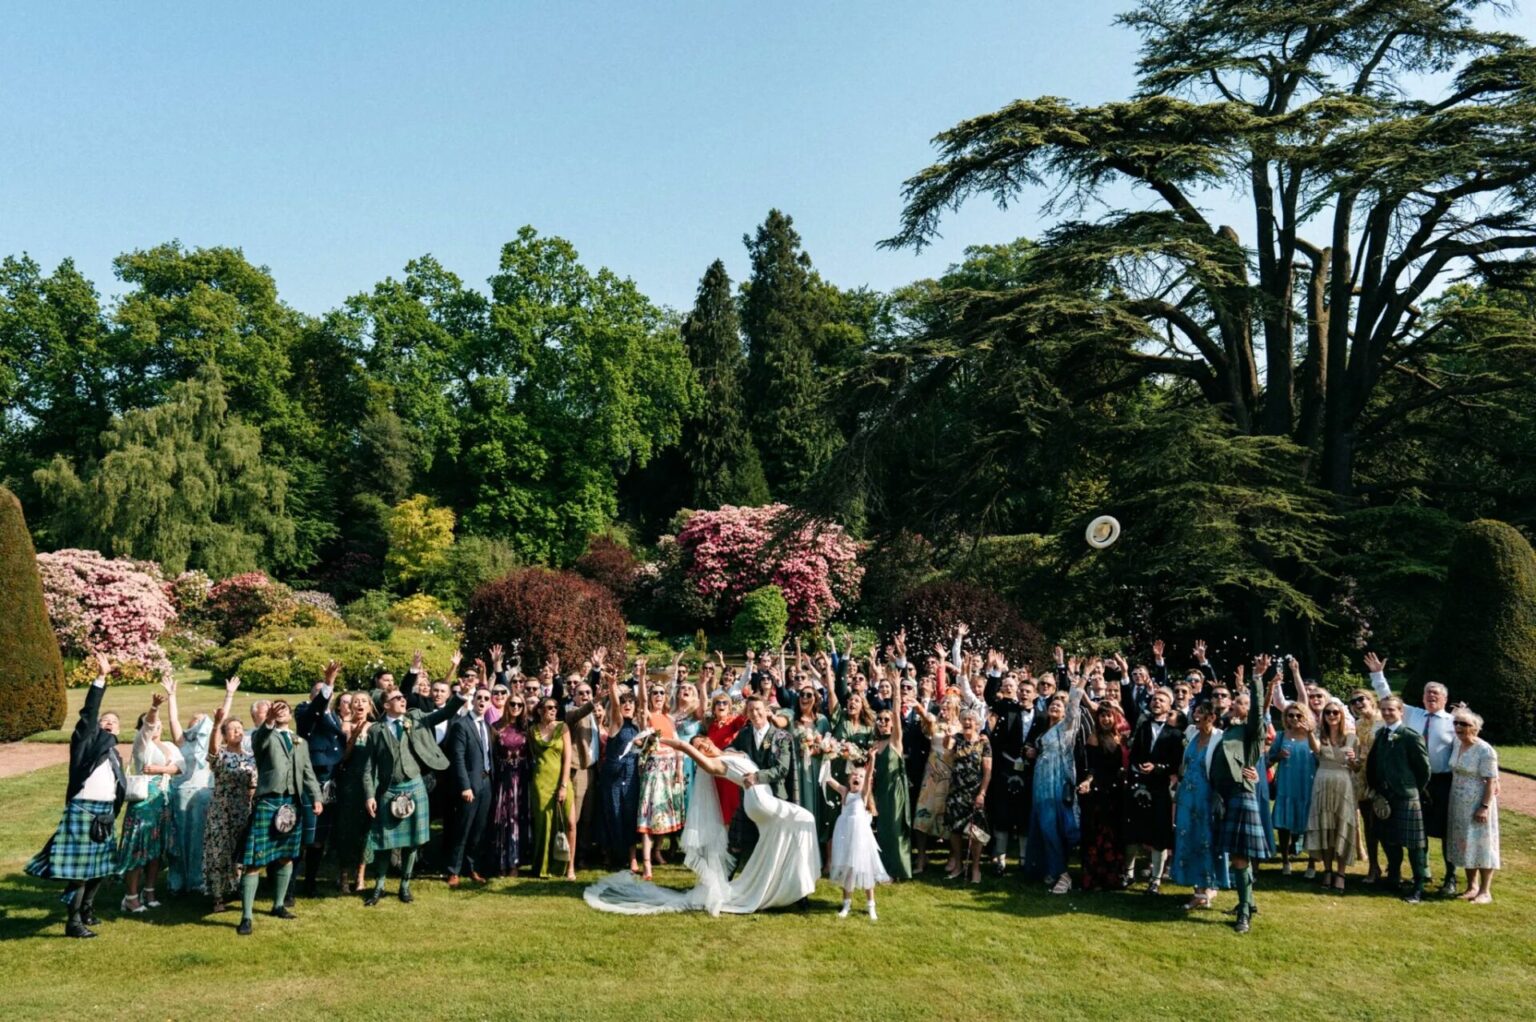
point(855, 858)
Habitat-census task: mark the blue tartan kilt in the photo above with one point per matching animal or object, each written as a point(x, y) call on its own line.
point(1242, 828)
point(388, 832)
point(1405, 827)
point(263, 844)
point(71, 854)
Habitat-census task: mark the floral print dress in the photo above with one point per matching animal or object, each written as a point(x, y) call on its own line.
point(234, 782)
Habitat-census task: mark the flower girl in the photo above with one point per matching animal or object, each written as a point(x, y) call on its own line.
point(855, 854)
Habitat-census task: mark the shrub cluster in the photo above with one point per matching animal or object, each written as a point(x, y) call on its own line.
point(237, 603)
point(544, 612)
point(930, 612)
point(113, 606)
point(761, 621)
point(281, 659)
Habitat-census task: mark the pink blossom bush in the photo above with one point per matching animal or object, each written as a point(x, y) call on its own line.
point(725, 554)
point(113, 606)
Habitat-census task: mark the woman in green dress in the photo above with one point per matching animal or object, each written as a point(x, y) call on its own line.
point(853, 724)
point(892, 829)
point(549, 745)
point(807, 728)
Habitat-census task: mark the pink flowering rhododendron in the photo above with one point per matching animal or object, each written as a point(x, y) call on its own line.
point(113, 606)
point(728, 553)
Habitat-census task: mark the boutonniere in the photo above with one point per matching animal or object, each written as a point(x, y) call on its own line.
point(1391, 736)
point(407, 724)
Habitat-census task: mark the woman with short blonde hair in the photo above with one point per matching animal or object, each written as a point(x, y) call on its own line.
point(1472, 838)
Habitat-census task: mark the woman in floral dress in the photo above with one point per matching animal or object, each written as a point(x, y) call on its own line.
point(509, 784)
point(929, 821)
point(971, 758)
point(234, 786)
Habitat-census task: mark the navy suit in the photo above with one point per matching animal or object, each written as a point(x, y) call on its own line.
point(468, 765)
point(321, 730)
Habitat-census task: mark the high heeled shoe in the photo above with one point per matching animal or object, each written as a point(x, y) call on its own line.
point(137, 906)
point(149, 899)
point(1063, 884)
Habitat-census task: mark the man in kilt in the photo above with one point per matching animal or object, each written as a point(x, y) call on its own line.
point(402, 749)
point(283, 775)
point(81, 852)
point(1234, 779)
point(1397, 770)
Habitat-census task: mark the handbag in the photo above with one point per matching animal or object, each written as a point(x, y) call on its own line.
point(402, 806)
point(328, 793)
point(562, 841)
point(977, 834)
point(285, 819)
point(136, 787)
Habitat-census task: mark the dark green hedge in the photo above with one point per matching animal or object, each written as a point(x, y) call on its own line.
point(31, 670)
point(1483, 646)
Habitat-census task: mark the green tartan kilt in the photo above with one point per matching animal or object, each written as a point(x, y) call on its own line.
point(390, 833)
point(263, 844)
point(71, 854)
point(1405, 827)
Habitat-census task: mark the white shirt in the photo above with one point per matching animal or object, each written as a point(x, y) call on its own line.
point(1438, 729)
point(101, 786)
point(760, 733)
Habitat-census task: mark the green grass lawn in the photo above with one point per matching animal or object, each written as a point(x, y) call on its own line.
point(195, 693)
point(1518, 757)
point(530, 949)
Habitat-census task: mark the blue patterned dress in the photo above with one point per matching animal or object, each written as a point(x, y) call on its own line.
point(1053, 821)
point(620, 781)
point(1196, 863)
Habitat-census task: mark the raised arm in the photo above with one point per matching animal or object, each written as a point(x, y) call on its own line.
point(1074, 715)
point(709, 764)
point(171, 709)
point(1377, 666)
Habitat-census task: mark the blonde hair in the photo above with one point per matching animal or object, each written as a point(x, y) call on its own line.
point(1346, 726)
point(1464, 714)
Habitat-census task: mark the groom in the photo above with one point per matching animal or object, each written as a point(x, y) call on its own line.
point(769, 748)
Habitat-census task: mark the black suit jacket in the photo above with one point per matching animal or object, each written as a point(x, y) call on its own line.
point(1166, 754)
point(318, 726)
point(89, 745)
point(466, 754)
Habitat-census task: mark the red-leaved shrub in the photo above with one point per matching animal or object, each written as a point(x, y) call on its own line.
point(610, 564)
point(543, 612)
point(930, 612)
point(237, 603)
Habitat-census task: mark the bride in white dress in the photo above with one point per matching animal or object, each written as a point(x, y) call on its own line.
point(781, 870)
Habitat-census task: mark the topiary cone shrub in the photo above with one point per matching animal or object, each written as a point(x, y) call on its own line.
point(761, 622)
point(544, 612)
point(31, 670)
point(1483, 645)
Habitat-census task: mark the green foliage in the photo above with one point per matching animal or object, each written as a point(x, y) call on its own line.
point(782, 317)
point(31, 670)
point(718, 447)
point(648, 642)
point(183, 483)
point(1483, 647)
point(420, 534)
point(282, 659)
point(369, 614)
point(762, 619)
point(471, 562)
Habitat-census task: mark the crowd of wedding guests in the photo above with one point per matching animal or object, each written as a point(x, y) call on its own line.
point(1141, 775)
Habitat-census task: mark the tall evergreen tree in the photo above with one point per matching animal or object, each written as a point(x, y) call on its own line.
point(786, 400)
point(718, 447)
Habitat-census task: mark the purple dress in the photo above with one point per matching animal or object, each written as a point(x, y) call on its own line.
point(509, 789)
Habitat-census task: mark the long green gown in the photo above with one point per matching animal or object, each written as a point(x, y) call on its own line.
point(845, 729)
point(541, 798)
point(892, 829)
point(810, 794)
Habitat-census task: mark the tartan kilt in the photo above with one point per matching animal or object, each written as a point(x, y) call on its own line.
point(263, 844)
point(1437, 814)
point(389, 833)
point(1242, 829)
point(71, 854)
point(1405, 827)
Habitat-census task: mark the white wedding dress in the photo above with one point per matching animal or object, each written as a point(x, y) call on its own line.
point(781, 870)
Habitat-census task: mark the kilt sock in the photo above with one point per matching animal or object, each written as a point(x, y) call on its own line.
point(280, 884)
point(248, 884)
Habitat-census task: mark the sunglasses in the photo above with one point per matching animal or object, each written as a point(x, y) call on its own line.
point(1461, 724)
point(1356, 700)
point(1331, 713)
point(517, 705)
point(501, 692)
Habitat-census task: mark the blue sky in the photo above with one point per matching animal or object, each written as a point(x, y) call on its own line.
point(335, 141)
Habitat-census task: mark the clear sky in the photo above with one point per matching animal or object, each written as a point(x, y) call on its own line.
point(334, 141)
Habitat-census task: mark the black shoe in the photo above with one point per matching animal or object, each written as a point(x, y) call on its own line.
point(406, 896)
point(1414, 896)
point(282, 912)
point(88, 916)
point(1155, 887)
point(1242, 924)
point(373, 897)
point(803, 905)
point(244, 929)
point(78, 929)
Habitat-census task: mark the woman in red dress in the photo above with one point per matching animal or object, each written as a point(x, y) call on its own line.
point(723, 725)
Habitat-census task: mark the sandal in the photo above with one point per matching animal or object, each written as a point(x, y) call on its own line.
point(149, 899)
point(1063, 884)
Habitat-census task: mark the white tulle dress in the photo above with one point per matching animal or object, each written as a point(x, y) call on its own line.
point(855, 852)
point(781, 870)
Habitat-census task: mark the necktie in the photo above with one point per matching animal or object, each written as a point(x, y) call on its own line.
point(398, 729)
